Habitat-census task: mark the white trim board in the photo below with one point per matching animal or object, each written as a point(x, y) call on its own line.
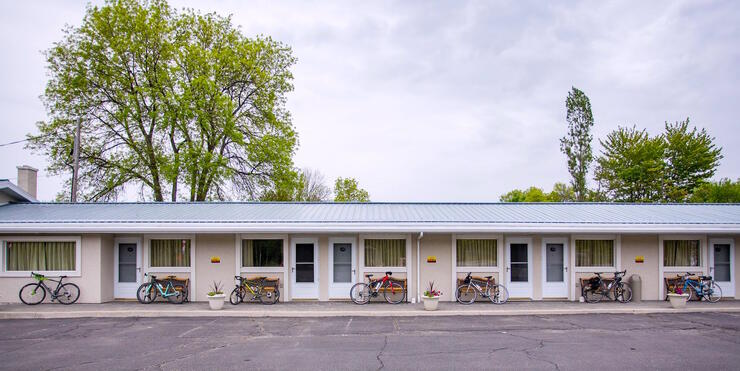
point(19, 238)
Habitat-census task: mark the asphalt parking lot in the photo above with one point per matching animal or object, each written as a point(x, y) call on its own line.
point(565, 342)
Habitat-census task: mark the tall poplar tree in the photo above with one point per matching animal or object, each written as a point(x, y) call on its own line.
point(576, 144)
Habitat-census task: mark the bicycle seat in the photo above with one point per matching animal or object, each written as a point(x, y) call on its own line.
point(62, 276)
point(488, 277)
point(368, 275)
point(708, 278)
point(388, 273)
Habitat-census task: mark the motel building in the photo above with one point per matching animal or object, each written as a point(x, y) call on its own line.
point(317, 251)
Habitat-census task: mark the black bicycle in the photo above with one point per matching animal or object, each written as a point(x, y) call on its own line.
point(596, 289)
point(35, 292)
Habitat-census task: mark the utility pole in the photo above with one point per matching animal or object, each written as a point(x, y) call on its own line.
point(76, 167)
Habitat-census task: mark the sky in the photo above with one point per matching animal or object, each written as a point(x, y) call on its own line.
point(444, 100)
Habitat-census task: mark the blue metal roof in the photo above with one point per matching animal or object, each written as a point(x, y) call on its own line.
point(386, 213)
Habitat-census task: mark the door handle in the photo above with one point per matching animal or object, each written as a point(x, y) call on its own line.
point(507, 269)
point(292, 269)
point(566, 268)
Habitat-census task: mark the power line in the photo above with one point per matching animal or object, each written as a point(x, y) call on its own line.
point(24, 140)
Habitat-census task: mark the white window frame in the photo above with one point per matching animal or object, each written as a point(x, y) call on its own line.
point(78, 255)
point(286, 256)
point(702, 268)
point(607, 268)
point(496, 269)
point(147, 255)
point(406, 268)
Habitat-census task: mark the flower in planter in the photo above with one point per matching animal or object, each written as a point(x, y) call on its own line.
point(216, 289)
point(431, 292)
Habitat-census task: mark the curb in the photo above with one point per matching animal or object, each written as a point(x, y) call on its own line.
point(346, 313)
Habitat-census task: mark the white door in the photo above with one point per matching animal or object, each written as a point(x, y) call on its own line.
point(554, 269)
point(519, 267)
point(722, 264)
point(127, 267)
point(304, 268)
point(342, 266)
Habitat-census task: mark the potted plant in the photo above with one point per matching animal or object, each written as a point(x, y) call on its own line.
point(216, 297)
point(431, 297)
point(677, 297)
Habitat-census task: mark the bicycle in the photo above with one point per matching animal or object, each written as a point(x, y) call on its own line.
point(35, 293)
point(256, 288)
point(597, 289)
point(148, 291)
point(701, 289)
point(468, 292)
point(393, 292)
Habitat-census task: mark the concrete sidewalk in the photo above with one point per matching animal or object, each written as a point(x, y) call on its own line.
point(348, 309)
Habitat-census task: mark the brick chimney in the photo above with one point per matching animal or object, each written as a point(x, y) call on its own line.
point(27, 179)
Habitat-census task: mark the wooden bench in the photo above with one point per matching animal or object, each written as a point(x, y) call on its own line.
point(185, 282)
point(400, 281)
point(670, 285)
point(269, 283)
point(585, 281)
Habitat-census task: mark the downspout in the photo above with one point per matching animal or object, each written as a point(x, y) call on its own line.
point(418, 266)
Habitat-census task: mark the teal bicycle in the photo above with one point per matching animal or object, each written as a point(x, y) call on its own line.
point(148, 292)
point(703, 288)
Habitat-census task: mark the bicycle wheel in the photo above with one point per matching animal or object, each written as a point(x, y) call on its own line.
point(179, 294)
point(146, 293)
point(691, 291)
point(498, 294)
point(32, 294)
point(360, 293)
point(465, 294)
point(237, 295)
point(623, 293)
point(593, 295)
point(393, 292)
point(68, 293)
point(715, 293)
point(269, 296)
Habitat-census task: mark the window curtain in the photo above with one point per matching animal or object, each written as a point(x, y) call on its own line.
point(476, 253)
point(262, 253)
point(681, 253)
point(169, 253)
point(594, 253)
point(385, 253)
point(40, 256)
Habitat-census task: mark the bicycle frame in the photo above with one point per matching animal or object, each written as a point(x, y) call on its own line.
point(47, 288)
point(700, 287)
point(166, 292)
point(376, 285)
point(247, 284)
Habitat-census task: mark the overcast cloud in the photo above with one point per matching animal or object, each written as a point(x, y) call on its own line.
point(445, 101)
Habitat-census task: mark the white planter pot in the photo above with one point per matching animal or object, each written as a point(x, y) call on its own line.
point(430, 303)
point(216, 302)
point(678, 301)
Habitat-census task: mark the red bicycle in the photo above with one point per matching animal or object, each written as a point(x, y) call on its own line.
point(392, 291)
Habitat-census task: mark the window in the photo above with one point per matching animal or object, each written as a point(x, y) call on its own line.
point(681, 253)
point(594, 253)
point(169, 253)
point(385, 253)
point(262, 253)
point(40, 255)
point(476, 253)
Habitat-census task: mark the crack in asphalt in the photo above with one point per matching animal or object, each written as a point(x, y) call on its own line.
point(380, 353)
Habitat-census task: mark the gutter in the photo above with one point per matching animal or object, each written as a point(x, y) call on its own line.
point(275, 227)
point(418, 266)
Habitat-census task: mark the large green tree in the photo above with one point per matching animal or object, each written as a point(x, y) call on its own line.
point(178, 105)
point(307, 185)
point(724, 191)
point(348, 190)
point(576, 144)
point(561, 192)
point(691, 158)
point(631, 167)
